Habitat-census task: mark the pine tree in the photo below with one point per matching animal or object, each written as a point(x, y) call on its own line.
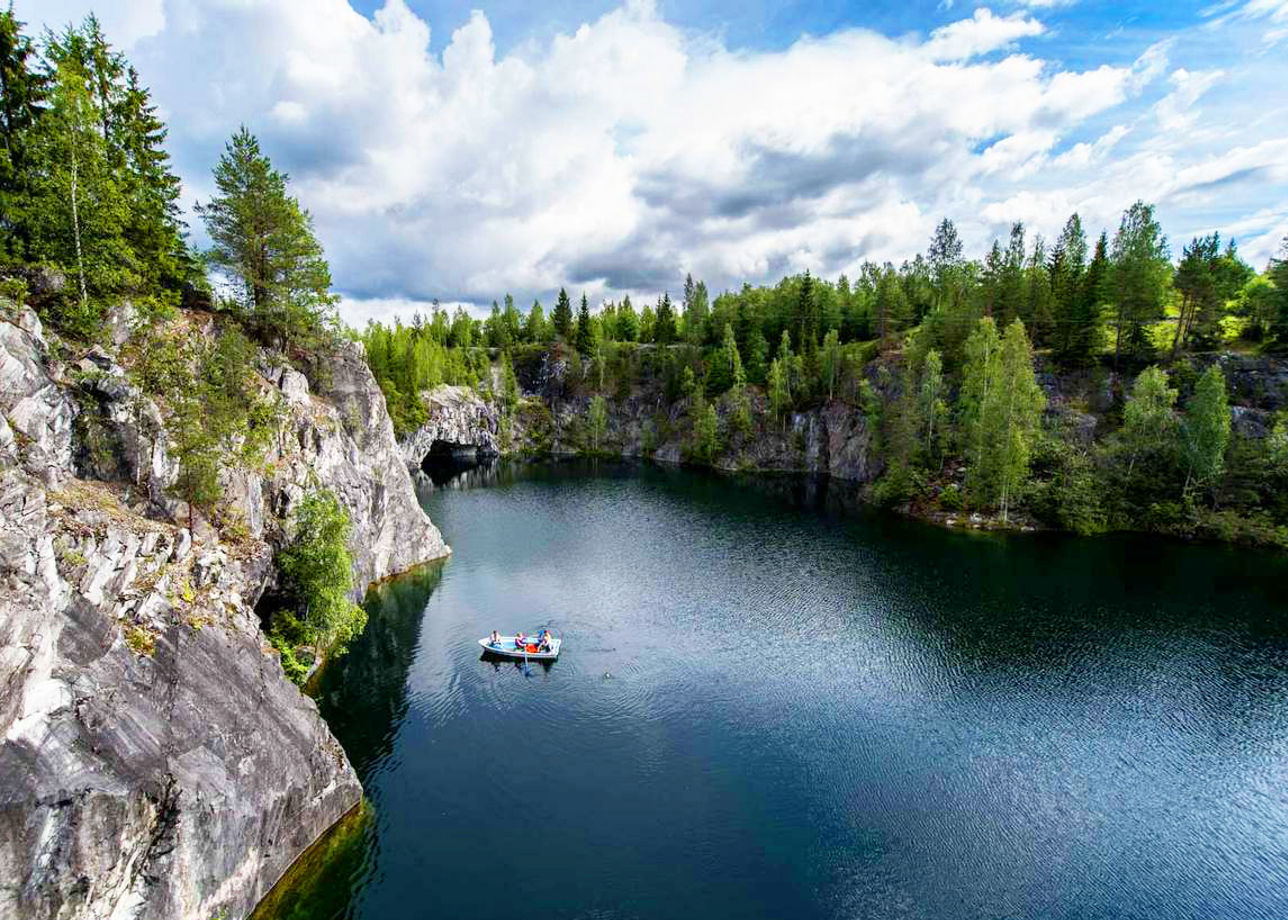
point(78, 212)
point(562, 316)
point(1066, 269)
point(664, 325)
point(1086, 316)
point(628, 323)
point(648, 320)
point(696, 311)
point(535, 330)
point(979, 380)
point(946, 265)
point(891, 307)
point(1039, 306)
point(585, 341)
point(1202, 305)
point(264, 241)
point(1139, 273)
point(154, 228)
point(1010, 289)
point(805, 317)
point(22, 98)
point(705, 430)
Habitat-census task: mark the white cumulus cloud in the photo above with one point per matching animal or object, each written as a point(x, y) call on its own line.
point(617, 157)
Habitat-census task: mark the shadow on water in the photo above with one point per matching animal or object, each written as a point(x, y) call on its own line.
point(954, 725)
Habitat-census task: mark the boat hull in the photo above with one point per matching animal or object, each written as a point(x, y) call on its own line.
point(505, 649)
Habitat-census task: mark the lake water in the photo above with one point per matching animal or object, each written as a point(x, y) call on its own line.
point(768, 707)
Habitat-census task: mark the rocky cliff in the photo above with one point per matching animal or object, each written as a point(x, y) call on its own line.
point(834, 439)
point(155, 763)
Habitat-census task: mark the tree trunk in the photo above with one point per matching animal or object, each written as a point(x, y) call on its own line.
point(1180, 326)
point(80, 260)
point(1118, 337)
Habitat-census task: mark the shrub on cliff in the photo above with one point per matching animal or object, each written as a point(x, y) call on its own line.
point(318, 572)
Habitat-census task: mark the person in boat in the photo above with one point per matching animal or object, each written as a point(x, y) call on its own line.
point(495, 639)
point(520, 641)
point(543, 641)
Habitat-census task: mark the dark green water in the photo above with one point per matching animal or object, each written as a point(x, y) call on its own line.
point(769, 709)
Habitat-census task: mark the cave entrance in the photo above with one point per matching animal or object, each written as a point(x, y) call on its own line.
point(446, 460)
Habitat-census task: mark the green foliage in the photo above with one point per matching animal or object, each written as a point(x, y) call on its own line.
point(318, 571)
point(264, 241)
point(561, 319)
point(585, 339)
point(705, 443)
point(85, 185)
point(1207, 428)
point(664, 330)
point(1139, 276)
point(1277, 275)
point(596, 422)
point(1002, 405)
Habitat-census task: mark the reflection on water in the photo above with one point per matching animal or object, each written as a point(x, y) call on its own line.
point(769, 708)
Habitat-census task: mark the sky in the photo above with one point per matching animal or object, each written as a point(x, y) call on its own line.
point(456, 152)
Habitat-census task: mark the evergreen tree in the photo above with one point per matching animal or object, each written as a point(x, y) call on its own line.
point(585, 342)
point(628, 323)
point(1066, 269)
point(77, 212)
point(1200, 312)
point(891, 305)
point(946, 265)
point(154, 229)
point(536, 330)
point(562, 316)
point(510, 393)
point(1040, 305)
point(1139, 273)
point(705, 430)
point(696, 311)
point(511, 321)
point(1086, 317)
point(664, 325)
point(757, 363)
point(1010, 286)
point(805, 318)
point(264, 241)
point(648, 320)
point(22, 99)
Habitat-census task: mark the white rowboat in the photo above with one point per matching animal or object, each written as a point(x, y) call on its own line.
point(505, 648)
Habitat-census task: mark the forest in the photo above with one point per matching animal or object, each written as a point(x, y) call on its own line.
point(951, 359)
point(942, 354)
point(90, 222)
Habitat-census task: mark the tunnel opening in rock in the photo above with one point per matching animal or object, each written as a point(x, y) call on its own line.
point(447, 459)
